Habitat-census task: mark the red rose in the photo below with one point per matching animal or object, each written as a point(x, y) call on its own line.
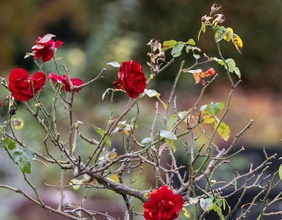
point(163, 204)
point(131, 78)
point(22, 86)
point(45, 47)
point(65, 81)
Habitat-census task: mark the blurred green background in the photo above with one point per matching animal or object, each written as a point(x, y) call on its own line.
point(95, 32)
point(106, 30)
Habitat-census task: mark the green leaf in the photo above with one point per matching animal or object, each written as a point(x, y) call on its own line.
point(11, 145)
point(219, 61)
point(113, 64)
point(223, 130)
point(218, 210)
point(237, 72)
point(28, 153)
point(168, 134)
point(153, 93)
point(101, 132)
point(182, 114)
point(17, 156)
point(177, 49)
point(171, 144)
point(171, 121)
point(206, 204)
point(213, 108)
point(168, 44)
point(231, 65)
point(25, 165)
point(280, 171)
point(146, 140)
point(22, 158)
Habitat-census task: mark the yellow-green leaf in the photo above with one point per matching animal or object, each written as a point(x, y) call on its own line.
point(114, 177)
point(101, 132)
point(168, 44)
point(223, 130)
point(203, 29)
point(171, 144)
point(18, 123)
point(231, 65)
point(208, 119)
point(237, 41)
point(229, 34)
point(191, 42)
point(171, 121)
point(186, 213)
point(280, 171)
point(75, 183)
point(237, 72)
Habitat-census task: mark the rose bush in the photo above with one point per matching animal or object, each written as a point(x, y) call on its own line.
point(22, 86)
point(163, 204)
point(131, 78)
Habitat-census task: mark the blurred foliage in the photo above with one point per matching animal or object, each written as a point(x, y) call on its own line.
point(119, 30)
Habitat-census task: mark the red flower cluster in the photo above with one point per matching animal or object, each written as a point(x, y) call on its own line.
point(22, 86)
point(163, 204)
point(131, 78)
point(65, 81)
point(45, 47)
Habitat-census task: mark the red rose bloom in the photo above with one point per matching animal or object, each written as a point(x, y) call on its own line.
point(65, 81)
point(163, 204)
point(45, 47)
point(22, 86)
point(131, 78)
